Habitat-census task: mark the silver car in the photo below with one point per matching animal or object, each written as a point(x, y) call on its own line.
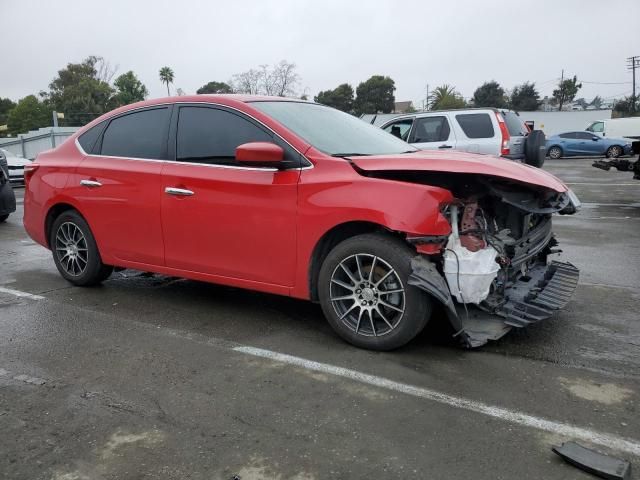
point(477, 130)
point(15, 165)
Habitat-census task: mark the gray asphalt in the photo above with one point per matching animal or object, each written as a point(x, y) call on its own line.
point(138, 378)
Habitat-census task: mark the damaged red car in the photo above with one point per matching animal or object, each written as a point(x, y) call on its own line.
point(295, 198)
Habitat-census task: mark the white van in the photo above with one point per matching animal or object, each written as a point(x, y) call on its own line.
point(476, 130)
point(617, 128)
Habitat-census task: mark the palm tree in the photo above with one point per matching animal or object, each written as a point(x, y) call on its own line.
point(166, 76)
point(445, 97)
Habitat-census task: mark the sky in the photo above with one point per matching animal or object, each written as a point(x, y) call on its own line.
point(416, 42)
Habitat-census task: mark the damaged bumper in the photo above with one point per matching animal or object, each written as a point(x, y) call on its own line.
point(530, 298)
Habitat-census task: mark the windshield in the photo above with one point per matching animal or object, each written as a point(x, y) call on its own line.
point(332, 131)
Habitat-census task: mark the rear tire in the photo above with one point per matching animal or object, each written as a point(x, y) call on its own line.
point(555, 153)
point(3, 218)
point(379, 310)
point(614, 151)
point(75, 252)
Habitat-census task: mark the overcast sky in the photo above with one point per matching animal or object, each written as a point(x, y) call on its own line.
point(416, 42)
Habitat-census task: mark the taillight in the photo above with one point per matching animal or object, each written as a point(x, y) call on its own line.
point(29, 170)
point(505, 147)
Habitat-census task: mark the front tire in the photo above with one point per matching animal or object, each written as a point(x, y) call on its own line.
point(75, 252)
point(555, 153)
point(364, 292)
point(614, 151)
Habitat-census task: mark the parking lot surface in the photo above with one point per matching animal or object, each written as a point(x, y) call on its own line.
point(155, 377)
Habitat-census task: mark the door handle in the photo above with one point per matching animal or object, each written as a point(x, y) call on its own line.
point(90, 183)
point(180, 192)
point(445, 146)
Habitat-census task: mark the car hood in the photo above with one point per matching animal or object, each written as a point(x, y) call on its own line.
point(459, 162)
point(17, 161)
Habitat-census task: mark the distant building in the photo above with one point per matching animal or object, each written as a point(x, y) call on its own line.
point(403, 107)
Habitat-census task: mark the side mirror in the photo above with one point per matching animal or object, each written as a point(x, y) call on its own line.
point(595, 139)
point(260, 153)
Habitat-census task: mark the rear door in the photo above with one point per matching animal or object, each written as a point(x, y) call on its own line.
point(117, 184)
point(222, 218)
point(477, 133)
point(433, 132)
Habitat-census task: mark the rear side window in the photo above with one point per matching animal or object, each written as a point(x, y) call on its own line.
point(431, 129)
point(476, 125)
point(515, 124)
point(140, 134)
point(88, 139)
point(209, 135)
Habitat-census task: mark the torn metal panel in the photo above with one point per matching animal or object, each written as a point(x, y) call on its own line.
point(594, 462)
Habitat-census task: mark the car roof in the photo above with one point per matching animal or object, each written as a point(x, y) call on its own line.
point(457, 110)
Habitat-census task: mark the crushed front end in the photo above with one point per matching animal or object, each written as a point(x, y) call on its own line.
point(493, 273)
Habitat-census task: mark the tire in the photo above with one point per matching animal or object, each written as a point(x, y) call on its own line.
point(394, 312)
point(555, 152)
point(533, 148)
point(75, 252)
point(614, 151)
point(3, 218)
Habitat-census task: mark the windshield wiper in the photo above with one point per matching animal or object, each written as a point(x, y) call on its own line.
point(355, 154)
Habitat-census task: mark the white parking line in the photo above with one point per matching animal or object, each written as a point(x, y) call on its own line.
point(18, 293)
point(566, 430)
point(637, 184)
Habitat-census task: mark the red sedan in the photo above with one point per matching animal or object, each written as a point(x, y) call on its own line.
point(295, 198)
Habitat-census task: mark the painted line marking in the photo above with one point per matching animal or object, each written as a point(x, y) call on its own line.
point(605, 184)
point(512, 416)
point(18, 293)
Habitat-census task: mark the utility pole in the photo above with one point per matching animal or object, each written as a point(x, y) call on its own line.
point(427, 97)
point(633, 63)
point(561, 90)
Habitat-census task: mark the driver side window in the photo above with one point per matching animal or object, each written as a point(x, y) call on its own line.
point(400, 129)
point(597, 127)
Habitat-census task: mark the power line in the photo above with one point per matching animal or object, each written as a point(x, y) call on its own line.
point(605, 83)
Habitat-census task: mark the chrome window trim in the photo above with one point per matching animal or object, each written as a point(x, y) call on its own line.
point(267, 169)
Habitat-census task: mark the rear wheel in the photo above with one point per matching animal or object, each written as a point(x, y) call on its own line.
point(3, 218)
point(614, 151)
point(75, 252)
point(365, 295)
point(555, 153)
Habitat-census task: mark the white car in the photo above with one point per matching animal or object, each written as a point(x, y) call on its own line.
point(16, 166)
point(490, 131)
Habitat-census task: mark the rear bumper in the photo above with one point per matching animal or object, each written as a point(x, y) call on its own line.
point(7, 199)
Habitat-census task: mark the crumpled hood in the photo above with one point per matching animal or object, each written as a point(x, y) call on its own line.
point(459, 162)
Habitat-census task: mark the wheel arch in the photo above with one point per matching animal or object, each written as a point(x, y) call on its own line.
point(54, 212)
point(333, 237)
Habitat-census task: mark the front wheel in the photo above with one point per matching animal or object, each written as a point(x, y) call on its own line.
point(75, 252)
point(365, 295)
point(614, 151)
point(555, 153)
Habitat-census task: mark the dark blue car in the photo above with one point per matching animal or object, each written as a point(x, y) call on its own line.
point(586, 144)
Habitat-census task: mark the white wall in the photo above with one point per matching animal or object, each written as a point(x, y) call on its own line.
point(30, 144)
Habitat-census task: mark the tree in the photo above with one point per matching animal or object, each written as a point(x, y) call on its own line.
point(215, 87)
point(79, 93)
point(375, 95)
point(29, 114)
point(525, 98)
point(129, 89)
point(582, 103)
point(279, 80)
point(566, 91)
point(490, 94)
point(166, 76)
point(340, 97)
point(445, 97)
point(596, 102)
point(6, 105)
point(625, 107)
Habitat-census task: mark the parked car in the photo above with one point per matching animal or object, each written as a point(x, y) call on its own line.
point(7, 197)
point(476, 130)
point(15, 165)
point(616, 127)
point(570, 144)
point(295, 198)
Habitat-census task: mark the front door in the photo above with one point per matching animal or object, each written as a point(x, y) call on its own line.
point(222, 218)
point(117, 186)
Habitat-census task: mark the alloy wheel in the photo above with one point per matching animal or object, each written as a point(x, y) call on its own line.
point(614, 152)
point(555, 153)
point(71, 249)
point(367, 295)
